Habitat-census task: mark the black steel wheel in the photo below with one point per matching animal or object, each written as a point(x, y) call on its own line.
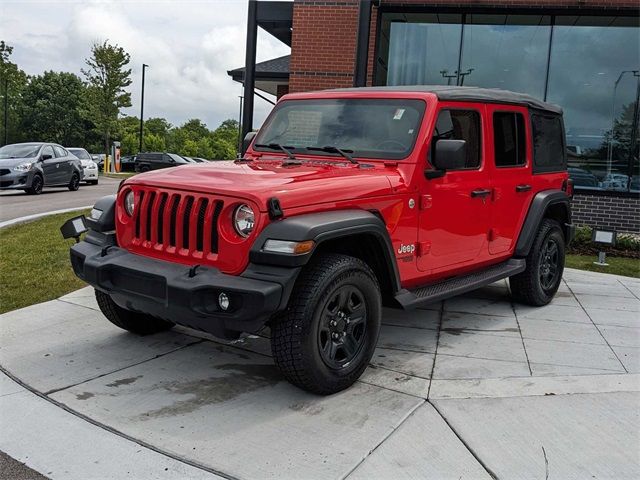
point(36, 185)
point(324, 340)
point(74, 183)
point(540, 281)
point(342, 327)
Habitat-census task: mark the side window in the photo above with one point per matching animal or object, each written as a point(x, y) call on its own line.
point(548, 143)
point(460, 125)
point(509, 139)
point(48, 151)
point(60, 152)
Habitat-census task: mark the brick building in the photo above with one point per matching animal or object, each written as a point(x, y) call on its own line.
point(580, 54)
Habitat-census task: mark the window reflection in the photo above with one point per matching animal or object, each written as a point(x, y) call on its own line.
point(592, 65)
point(506, 51)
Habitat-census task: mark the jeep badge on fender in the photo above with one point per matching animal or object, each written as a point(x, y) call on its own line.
point(299, 234)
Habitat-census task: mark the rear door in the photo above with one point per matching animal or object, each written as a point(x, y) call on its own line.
point(510, 155)
point(65, 165)
point(455, 210)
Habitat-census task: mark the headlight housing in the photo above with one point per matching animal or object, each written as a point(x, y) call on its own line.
point(129, 202)
point(23, 167)
point(244, 220)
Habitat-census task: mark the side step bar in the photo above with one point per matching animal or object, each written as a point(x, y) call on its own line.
point(452, 287)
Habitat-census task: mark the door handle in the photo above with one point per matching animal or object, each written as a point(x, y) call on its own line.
point(483, 192)
point(523, 188)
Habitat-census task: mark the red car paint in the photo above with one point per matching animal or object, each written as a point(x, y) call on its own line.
point(450, 232)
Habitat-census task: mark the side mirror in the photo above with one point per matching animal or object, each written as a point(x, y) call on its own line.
point(45, 156)
point(450, 155)
point(247, 141)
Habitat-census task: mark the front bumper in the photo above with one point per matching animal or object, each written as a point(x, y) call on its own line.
point(176, 293)
point(90, 174)
point(15, 180)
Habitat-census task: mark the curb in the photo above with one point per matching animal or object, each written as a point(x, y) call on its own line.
point(36, 216)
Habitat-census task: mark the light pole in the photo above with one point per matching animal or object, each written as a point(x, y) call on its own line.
point(6, 111)
point(144, 66)
point(613, 117)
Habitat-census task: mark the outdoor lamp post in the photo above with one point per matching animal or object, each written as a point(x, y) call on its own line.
point(613, 116)
point(144, 66)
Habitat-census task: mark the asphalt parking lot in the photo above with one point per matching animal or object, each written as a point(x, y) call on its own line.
point(16, 204)
point(475, 387)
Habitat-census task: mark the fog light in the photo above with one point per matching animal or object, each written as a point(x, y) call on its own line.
point(223, 301)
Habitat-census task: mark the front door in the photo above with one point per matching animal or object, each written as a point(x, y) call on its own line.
point(510, 174)
point(455, 209)
point(50, 166)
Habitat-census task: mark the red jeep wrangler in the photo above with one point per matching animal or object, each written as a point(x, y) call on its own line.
point(345, 201)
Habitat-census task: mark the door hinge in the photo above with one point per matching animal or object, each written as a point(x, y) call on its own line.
point(491, 235)
point(426, 201)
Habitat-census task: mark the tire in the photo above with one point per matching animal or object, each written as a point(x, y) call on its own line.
point(144, 168)
point(139, 323)
point(312, 352)
point(538, 284)
point(74, 183)
point(37, 183)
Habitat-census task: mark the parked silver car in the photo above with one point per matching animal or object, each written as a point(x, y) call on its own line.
point(89, 167)
point(32, 166)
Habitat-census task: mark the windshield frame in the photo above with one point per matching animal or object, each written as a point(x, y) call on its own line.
point(382, 156)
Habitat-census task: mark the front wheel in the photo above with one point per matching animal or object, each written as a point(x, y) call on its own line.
point(538, 284)
point(134, 322)
point(74, 183)
point(36, 186)
point(324, 340)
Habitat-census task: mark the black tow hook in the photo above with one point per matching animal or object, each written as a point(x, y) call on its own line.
point(193, 271)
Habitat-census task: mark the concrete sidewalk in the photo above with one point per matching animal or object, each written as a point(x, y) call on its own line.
point(476, 387)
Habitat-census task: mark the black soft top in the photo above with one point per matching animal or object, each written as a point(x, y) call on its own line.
point(468, 94)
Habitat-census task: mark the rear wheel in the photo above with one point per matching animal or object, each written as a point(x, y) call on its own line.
point(36, 186)
point(326, 337)
point(134, 322)
point(538, 284)
point(74, 183)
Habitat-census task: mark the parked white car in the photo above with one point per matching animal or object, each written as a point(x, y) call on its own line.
point(89, 167)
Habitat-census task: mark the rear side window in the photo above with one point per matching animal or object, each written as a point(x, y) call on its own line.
point(460, 125)
point(150, 157)
point(509, 139)
point(548, 143)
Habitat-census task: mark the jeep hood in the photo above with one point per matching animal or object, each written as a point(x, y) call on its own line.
point(312, 182)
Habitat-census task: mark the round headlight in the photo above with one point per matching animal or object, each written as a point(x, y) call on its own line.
point(244, 220)
point(129, 203)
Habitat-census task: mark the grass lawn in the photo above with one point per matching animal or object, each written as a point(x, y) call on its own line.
point(629, 267)
point(118, 175)
point(34, 263)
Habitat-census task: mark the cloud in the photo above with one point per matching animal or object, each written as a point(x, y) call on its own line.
point(189, 46)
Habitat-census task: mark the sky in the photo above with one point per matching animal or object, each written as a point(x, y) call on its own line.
point(188, 44)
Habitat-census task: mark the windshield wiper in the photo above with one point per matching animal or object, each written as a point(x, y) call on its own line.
point(331, 149)
point(277, 146)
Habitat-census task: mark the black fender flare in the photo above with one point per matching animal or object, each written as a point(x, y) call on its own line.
point(539, 206)
point(321, 227)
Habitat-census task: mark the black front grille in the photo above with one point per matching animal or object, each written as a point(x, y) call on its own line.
point(4, 171)
point(194, 216)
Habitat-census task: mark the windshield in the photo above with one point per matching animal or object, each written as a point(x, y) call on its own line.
point(80, 153)
point(177, 158)
point(19, 151)
point(370, 128)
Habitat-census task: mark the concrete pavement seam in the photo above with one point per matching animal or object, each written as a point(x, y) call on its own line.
point(109, 429)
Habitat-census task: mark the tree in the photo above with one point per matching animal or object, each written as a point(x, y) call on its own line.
point(12, 83)
point(107, 78)
point(225, 140)
point(52, 106)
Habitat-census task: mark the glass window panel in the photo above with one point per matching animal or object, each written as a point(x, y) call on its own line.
point(506, 51)
point(424, 51)
point(509, 139)
point(591, 76)
point(548, 143)
point(460, 125)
